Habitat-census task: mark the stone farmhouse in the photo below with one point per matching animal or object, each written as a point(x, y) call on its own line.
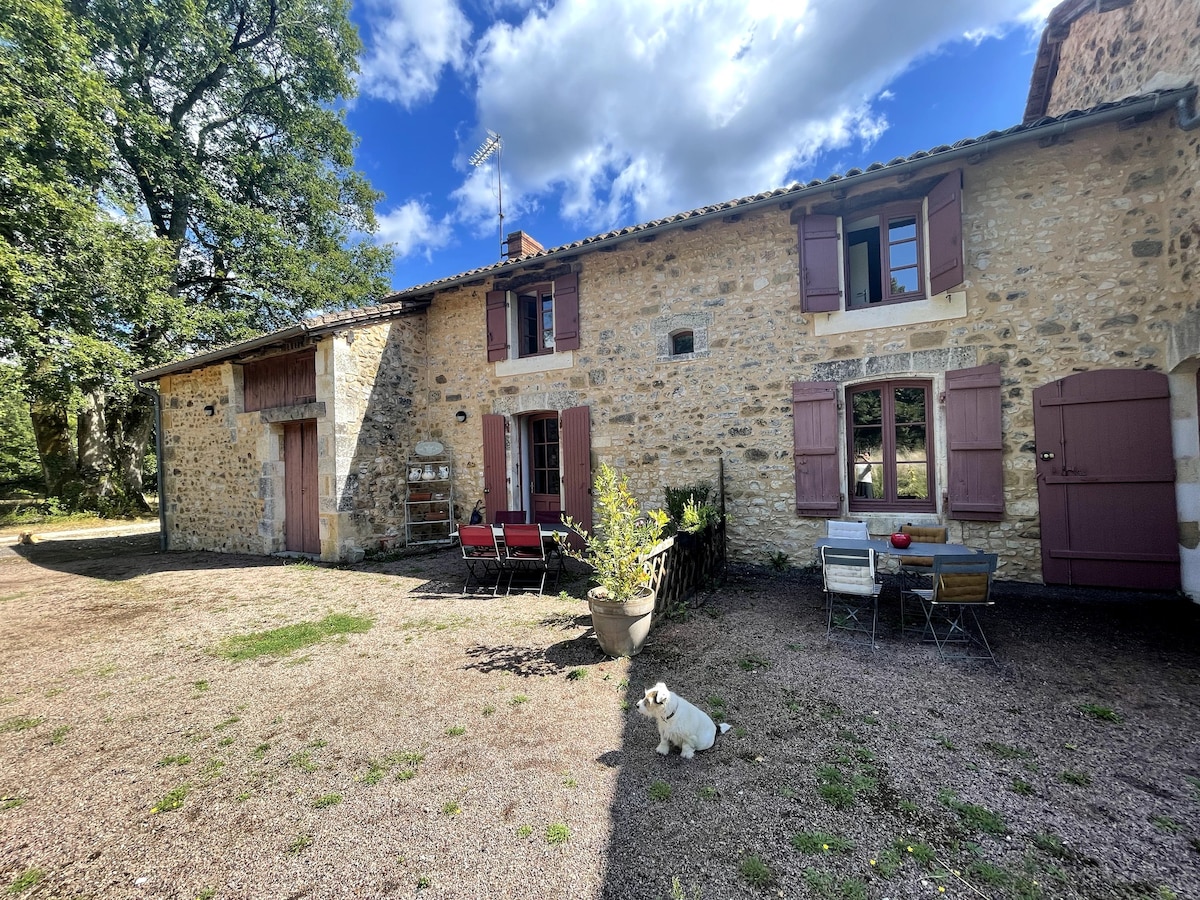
point(1005, 330)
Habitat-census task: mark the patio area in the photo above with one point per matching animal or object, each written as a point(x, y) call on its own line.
point(483, 747)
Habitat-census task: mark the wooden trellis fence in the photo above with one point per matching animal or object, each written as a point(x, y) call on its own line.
point(683, 563)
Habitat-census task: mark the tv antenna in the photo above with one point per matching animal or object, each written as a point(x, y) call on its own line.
point(491, 145)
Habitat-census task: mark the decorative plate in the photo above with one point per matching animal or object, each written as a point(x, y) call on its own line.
point(429, 448)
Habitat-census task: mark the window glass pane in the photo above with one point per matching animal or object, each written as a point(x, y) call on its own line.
point(547, 321)
point(904, 281)
point(902, 255)
point(910, 443)
point(682, 343)
point(910, 404)
point(912, 481)
point(868, 408)
point(902, 229)
point(868, 479)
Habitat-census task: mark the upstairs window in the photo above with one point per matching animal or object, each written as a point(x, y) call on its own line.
point(879, 254)
point(533, 319)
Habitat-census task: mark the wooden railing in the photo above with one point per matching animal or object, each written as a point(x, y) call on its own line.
point(683, 563)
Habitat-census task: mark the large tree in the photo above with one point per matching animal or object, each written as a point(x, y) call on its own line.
point(191, 178)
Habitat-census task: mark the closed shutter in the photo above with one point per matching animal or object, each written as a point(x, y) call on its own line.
point(566, 312)
point(975, 445)
point(495, 480)
point(945, 234)
point(820, 264)
point(575, 436)
point(815, 448)
point(497, 326)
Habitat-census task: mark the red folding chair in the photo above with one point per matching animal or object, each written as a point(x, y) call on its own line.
point(483, 558)
point(524, 552)
point(510, 517)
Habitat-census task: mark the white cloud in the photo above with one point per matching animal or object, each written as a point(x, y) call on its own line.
point(412, 230)
point(409, 45)
point(631, 110)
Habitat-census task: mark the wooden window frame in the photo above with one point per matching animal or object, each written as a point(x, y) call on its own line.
point(887, 215)
point(886, 466)
point(537, 297)
point(676, 335)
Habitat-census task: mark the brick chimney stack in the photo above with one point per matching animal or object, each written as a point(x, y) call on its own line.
point(520, 244)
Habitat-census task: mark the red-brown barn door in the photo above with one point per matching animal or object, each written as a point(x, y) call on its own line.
point(1106, 480)
point(301, 522)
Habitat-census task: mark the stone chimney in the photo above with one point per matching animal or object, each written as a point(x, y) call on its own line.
point(520, 244)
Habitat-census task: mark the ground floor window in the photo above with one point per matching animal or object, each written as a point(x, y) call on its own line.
point(890, 446)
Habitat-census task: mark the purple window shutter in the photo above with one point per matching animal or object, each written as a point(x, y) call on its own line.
point(820, 264)
point(945, 234)
point(815, 448)
point(975, 444)
point(497, 326)
point(576, 443)
point(495, 481)
point(566, 312)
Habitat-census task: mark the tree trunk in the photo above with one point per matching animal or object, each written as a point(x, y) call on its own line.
point(95, 451)
point(52, 432)
point(136, 426)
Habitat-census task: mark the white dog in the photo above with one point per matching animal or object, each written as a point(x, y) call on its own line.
point(679, 722)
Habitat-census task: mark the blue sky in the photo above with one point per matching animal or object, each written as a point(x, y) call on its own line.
point(617, 112)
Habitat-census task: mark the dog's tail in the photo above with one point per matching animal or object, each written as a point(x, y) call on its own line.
point(723, 727)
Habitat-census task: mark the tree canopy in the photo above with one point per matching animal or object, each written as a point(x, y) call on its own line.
point(173, 175)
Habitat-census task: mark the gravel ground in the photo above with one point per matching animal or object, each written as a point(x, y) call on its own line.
point(480, 747)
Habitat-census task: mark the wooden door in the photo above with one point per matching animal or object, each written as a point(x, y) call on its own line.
point(1106, 480)
point(302, 519)
point(545, 477)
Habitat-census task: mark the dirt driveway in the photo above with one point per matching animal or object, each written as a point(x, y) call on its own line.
point(478, 747)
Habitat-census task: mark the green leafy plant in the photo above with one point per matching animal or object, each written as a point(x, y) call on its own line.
point(557, 833)
point(756, 872)
point(327, 800)
point(778, 560)
point(698, 516)
point(821, 842)
point(660, 791)
point(1096, 711)
point(676, 499)
point(622, 539)
point(26, 880)
point(172, 800)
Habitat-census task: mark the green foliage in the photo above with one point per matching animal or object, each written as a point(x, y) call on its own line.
point(756, 872)
point(172, 800)
point(660, 791)
point(821, 842)
point(778, 560)
point(1100, 713)
point(976, 818)
point(676, 499)
point(27, 879)
point(557, 833)
point(698, 516)
point(617, 547)
point(18, 450)
point(175, 176)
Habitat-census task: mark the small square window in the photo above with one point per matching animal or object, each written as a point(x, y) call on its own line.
point(682, 342)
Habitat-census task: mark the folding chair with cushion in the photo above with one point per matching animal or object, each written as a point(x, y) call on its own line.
point(915, 571)
point(855, 531)
point(483, 558)
point(851, 593)
point(547, 516)
point(510, 517)
point(525, 554)
point(961, 585)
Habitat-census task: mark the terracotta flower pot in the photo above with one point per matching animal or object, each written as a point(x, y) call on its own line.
point(621, 627)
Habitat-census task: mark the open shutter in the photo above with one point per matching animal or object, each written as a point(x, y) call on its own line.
point(945, 234)
point(566, 312)
point(975, 446)
point(497, 326)
point(815, 448)
point(820, 264)
point(575, 437)
point(495, 480)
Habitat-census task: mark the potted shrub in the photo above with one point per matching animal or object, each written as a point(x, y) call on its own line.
point(616, 548)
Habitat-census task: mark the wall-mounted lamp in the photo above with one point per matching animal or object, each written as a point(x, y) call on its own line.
point(461, 415)
point(210, 410)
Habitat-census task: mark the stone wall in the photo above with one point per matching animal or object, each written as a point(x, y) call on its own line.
point(216, 469)
point(1079, 253)
point(1068, 268)
point(1112, 55)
